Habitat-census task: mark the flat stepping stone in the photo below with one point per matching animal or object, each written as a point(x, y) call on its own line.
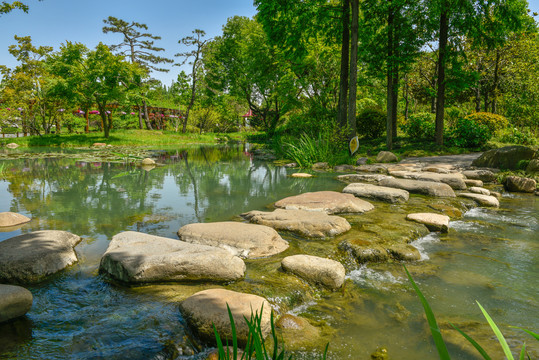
point(209, 307)
point(483, 175)
point(420, 187)
point(371, 178)
point(248, 241)
point(301, 175)
point(314, 269)
point(29, 258)
point(9, 218)
point(15, 301)
point(135, 257)
point(313, 224)
point(376, 192)
point(456, 181)
point(470, 182)
point(381, 169)
point(484, 200)
point(330, 202)
point(434, 222)
point(479, 190)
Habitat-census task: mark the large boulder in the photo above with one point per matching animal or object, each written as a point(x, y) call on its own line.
point(386, 157)
point(456, 181)
point(8, 219)
point(29, 258)
point(519, 184)
point(372, 178)
point(135, 257)
point(331, 202)
point(244, 240)
point(505, 157)
point(434, 222)
point(533, 166)
point(483, 200)
point(314, 224)
point(376, 192)
point(15, 301)
point(207, 308)
point(420, 187)
point(314, 269)
point(481, 174)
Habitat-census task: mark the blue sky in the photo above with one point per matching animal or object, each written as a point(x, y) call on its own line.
point(52, 22)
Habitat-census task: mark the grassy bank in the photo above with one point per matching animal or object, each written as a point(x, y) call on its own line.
point(124, 138)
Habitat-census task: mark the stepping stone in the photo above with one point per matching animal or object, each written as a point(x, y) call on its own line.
point(484, 200)
point(470, 182)
point(12, 146)
point(248, 241)
point(313, 224)
point(15, 301)
point(381, 169)
point(330, 202)
point(343, 168)
point(434, 222)
point(209, 307)
point(353, 178)
point(29, 258)
point(135, 257)
point(9, 218)
point(314, 269)
point(456, 181)
point(420, 187)
point(404, 252)
point(478, 190)
point(376, 192)
point(483, 175)
point(301, 175)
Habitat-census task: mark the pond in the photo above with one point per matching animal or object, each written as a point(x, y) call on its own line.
point(489, 255)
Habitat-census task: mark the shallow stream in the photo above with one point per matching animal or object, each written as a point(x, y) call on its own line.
point(489, 255)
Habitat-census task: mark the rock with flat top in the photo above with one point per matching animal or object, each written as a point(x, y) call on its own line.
point(330, 202)
point(135, 257)
point(12, 146)
point(147, 162)
point(479, 190)
point(244, 240)
point(519, 184)
point(301, 175)
point(31, 257)
point(371, 178)
point(8, 219)
point(434, 222)
point(374, 168)
point(313, 224)
point(483, 200)
point(15, 301)
point(483, 175)
point(314, 269)
point(375, 192)
point(207, 308)
point(456, 181)
point(420, 187)
point(97, 144)
point(504, 158)
point(476, 183)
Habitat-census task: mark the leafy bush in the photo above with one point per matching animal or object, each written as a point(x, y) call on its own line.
point(468, 133)
point(522, 136)
point(328, 147)
point(73, 123)
point(494, 122)
point(371, 123)
point(420, 126)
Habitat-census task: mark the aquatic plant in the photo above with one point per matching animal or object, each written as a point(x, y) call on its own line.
point(438, 339)
point(309, 150)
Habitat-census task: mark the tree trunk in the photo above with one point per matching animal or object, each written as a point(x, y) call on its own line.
point(353, 70)
point(146, 117)
point(140, 125)
point(345, 54)
point(442, 55)
point(496, 81)
point(390, 75)
point(406, 96)
point(394, 103)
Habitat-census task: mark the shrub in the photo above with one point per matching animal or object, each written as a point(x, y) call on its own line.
point(468, 133)
point(371, 123)
point(494, 122)
point(522, 136)
point(420, 126)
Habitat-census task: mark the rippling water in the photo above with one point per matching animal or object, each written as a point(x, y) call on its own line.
point(490, 255)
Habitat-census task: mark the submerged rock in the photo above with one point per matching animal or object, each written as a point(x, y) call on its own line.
point(207, 308)
point(298, 333)
point(331, 202)
point(314, 269)
point(244, 240)
point(8, 219)
point(504, 158)
point(29, 258)
point(480, 175)
point(314, 224)
point(376, 192)
point(15, 301)
point(450, 211)
point(420, 187)
point(404, 252)
point(519, 184)
point(434, 222)
point(135, 257)
point(484, 200)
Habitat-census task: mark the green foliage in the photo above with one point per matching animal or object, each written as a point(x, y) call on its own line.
point(420, 126)
point(326, 147)
point(468, 133)
point(73, 123)
point(521, 136)
point(494, 122)
point(371, 123)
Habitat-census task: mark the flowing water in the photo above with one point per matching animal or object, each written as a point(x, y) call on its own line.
point(489, 255)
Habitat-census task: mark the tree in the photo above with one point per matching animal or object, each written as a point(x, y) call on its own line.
point(6, 7)
point(196, 63)
point(140, 49)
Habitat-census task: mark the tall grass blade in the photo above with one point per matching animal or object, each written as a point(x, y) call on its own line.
point(473, 342)
point(234, 334)
point(220, 349)
point(536, 336)
point(499, 335)
point(523, 352)
point(434, 329)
